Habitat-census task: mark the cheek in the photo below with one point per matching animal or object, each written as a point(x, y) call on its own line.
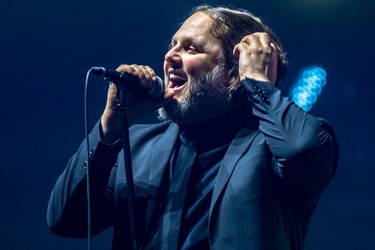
point(194, 66)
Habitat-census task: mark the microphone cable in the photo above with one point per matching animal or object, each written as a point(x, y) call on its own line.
point(128, 171)
point(88, 193)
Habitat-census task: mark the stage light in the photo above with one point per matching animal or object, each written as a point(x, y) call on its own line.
point(308, 86)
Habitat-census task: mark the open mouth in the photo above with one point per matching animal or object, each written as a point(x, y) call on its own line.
point(176, 81)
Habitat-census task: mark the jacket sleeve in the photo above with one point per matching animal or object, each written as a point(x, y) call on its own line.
point(304, 148)
point(67, 206)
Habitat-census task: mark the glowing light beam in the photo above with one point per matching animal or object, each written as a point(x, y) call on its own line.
point(308, 87)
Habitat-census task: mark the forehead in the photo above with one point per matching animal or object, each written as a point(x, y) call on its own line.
point(197, 25)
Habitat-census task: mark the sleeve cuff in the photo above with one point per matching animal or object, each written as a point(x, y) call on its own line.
point(263, 89)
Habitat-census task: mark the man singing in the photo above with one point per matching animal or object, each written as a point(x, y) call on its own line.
point(232, 165)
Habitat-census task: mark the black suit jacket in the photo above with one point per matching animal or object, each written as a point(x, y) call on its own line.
point(266, 189)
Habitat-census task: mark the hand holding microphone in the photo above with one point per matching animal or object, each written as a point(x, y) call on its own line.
point(125, 79)
point(145, 93)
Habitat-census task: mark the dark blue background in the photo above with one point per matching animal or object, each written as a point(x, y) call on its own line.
point(48, 46)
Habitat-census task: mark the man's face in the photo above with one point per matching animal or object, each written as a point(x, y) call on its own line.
point(194, 68)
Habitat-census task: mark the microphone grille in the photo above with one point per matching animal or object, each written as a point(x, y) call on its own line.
point(157, 89)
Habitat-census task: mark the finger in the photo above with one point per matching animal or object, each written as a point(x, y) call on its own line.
point(273, 47)
point(252, 41)
point(143, 74)
point(266, 47)
point(274, 54)
point(264, 38)
point(138, 71)
point(135, 71)
point(125, 68)
point(151, 72)
point(236, 51)
point(149, 76)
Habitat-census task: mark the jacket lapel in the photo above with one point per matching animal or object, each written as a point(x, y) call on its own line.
point(236, 150)
point(161, 153)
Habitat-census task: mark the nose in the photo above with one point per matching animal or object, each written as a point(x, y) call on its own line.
point(173, 57)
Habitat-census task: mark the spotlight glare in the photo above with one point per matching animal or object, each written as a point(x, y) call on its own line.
point(308, 86)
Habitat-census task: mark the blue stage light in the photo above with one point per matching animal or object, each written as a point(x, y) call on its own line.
point(308, 86)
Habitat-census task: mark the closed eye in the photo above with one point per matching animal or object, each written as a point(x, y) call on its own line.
point(192, 50)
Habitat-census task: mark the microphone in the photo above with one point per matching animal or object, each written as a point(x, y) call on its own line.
point(156, 90)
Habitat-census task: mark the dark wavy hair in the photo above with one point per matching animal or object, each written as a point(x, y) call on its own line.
point(231, 25)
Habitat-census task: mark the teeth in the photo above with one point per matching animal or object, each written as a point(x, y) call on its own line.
point(175, 77)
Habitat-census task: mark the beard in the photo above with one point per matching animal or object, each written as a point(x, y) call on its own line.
point(208, 96)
